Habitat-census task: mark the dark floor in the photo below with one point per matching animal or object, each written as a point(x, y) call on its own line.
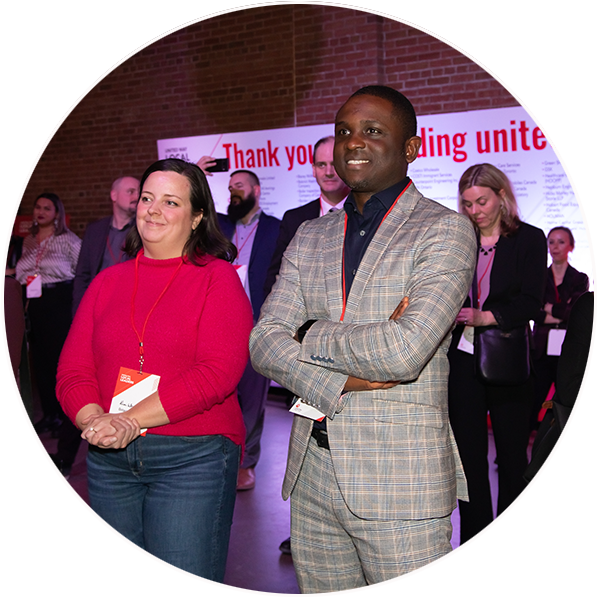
point(261, 518)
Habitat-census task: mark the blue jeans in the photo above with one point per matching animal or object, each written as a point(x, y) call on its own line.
point(172, 496)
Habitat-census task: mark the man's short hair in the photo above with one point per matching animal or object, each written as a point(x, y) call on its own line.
point(253, 177)
point(116, 183)
point(327, 138)
point(403, 109)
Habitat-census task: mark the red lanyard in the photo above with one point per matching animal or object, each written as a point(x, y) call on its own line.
point(344, 253)
point(112, 254)
point(344, 269)
point(247, 238)
point(41, 251)
point(135, 287)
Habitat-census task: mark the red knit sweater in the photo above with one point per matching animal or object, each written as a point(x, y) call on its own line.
point(196, 339)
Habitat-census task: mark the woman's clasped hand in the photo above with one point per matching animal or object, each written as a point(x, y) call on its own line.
point(107, 430)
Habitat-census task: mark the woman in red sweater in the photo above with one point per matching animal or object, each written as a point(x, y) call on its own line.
point(177, 319)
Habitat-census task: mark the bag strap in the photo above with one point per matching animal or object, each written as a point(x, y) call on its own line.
point(474, 303)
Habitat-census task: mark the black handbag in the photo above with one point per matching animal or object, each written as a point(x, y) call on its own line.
point(502, 357)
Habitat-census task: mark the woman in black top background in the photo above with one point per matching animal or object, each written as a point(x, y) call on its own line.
point(564, 285)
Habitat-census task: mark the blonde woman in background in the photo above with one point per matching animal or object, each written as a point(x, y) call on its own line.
point(507, 293)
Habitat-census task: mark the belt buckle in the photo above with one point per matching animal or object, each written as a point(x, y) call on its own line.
point(321, 438)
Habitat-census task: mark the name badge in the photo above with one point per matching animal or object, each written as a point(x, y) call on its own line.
point(556, 337)
point(132, 387)
point(467, 340)
point(305, 410)
point(242, 271)
point(34, 286)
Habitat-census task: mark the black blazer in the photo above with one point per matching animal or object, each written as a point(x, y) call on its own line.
point(575, 350)
point(518, 277)
point(573, 285)
point(260, 257)
point(90, 257)
point(292, 219)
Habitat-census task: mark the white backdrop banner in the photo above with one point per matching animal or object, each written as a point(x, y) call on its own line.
point(505, 137)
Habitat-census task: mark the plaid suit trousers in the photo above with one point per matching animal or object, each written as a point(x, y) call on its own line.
point(334, 550)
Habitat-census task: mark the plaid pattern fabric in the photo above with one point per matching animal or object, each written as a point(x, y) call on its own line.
point(393, 451)
point(334, 550)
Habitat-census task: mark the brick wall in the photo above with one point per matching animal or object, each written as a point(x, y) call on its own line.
point(262, 68)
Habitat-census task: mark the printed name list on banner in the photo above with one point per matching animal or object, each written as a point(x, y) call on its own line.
point(505, 137)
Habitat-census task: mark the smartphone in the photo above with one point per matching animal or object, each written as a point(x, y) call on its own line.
point(222, 165)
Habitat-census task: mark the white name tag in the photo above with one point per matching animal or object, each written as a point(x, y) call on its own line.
point(305, 410)
point(467, 340)
point(556, 337)
point(242, 271)
point(34, 286)
point(132, 387)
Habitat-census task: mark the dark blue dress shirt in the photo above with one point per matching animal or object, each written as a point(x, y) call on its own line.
point(361, 228)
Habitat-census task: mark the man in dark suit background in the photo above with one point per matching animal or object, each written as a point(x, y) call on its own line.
point(333, 193)
point(254, 234)
point(101, 247)
point(103, 240)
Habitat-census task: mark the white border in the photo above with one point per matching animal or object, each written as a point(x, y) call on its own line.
point(53, 53)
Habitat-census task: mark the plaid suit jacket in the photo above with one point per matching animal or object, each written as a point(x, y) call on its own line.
point(393, 451)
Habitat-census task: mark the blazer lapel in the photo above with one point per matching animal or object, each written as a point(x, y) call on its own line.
point(377, 248)
point(257, 236)
point(227, 227)
point(101, 246)
point(501, 274)
point(332, 259)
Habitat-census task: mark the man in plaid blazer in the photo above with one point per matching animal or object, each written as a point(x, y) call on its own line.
point(374, 483)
